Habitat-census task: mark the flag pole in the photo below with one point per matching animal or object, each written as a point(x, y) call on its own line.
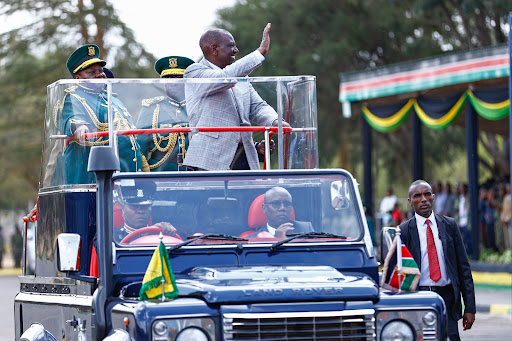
point(161, 237)
point(399, 258)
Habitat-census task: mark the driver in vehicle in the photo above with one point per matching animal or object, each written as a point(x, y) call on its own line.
point(136, 200)
point(277, 206)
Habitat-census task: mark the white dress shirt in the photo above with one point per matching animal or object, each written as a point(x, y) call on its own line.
point(463, 212)
point(271, 230)
point(422, 231)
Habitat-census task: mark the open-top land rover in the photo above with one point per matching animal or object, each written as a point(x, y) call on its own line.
point(234, 280)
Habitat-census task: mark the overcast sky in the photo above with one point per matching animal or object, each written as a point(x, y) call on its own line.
point(168, 27)
point(164, 27)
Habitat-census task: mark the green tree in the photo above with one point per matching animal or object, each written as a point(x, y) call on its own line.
point(33, 55)
point(61, 26)
point(464, 24)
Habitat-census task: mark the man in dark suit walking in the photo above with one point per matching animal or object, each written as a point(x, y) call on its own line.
point(436, 245)
point(277, 206)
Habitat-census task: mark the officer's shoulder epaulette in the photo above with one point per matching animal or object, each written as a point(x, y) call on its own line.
point(149, 101)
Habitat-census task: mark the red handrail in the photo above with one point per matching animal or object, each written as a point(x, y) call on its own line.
point(187, 130)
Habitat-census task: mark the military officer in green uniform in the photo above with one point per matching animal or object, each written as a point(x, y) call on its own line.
point(84, 109)
point(165, 152)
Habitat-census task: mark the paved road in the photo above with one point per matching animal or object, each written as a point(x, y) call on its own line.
point(487, 326)
point(10, 287)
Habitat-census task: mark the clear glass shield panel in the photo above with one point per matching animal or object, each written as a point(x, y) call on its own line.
point(301, 112)
point(165, 124)
point(235, 209)
point(73, 109)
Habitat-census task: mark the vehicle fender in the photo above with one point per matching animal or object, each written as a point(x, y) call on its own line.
point(36, 332)
point(118, 335)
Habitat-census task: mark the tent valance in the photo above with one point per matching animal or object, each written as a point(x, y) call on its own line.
point(438, 113)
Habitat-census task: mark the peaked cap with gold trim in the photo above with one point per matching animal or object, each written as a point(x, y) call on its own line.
point(172, 66)
point(83, 57)
point(138, 193)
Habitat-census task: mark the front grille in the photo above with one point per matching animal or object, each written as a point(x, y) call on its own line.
point(351, 325)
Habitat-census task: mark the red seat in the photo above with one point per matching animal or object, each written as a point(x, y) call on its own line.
point(256, 218)
point(118, 215)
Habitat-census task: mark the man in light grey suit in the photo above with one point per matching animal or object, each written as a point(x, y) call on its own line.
point(277, 206)
point(225, 104)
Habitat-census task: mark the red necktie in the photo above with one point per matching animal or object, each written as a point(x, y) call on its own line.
point(433, 261)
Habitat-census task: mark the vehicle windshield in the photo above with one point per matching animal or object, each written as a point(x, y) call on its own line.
point(151, 124)
point(237, 208)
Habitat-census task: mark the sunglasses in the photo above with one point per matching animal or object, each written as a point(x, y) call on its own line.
point(277, 204)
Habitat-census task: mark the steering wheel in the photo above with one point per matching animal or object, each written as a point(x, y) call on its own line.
point(140, 233)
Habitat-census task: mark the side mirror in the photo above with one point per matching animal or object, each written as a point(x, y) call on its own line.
point(386, 240)
point(340, 195)
point(69, 251)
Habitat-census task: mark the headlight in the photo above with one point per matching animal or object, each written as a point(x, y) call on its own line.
point(397, 331)
point(185, 329)
point(420, 324)
point(192, 334)
point(160, 328)
point(430, 318)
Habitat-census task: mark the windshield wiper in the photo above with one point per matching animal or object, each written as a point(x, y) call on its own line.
point(213, 236)
point(305, 235)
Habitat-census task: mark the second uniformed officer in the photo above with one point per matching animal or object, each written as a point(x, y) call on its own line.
point(165, 152)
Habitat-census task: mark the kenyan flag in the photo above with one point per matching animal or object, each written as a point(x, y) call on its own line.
point(410, 274)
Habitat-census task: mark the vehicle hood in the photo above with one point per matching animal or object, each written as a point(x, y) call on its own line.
point(275, 284)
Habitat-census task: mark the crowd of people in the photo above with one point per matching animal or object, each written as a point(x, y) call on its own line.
point(494, 216)
point(494, 212)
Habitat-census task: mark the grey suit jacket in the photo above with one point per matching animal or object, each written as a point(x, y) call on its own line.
point(223, 105)
point(298, 227)
point(457, 265)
